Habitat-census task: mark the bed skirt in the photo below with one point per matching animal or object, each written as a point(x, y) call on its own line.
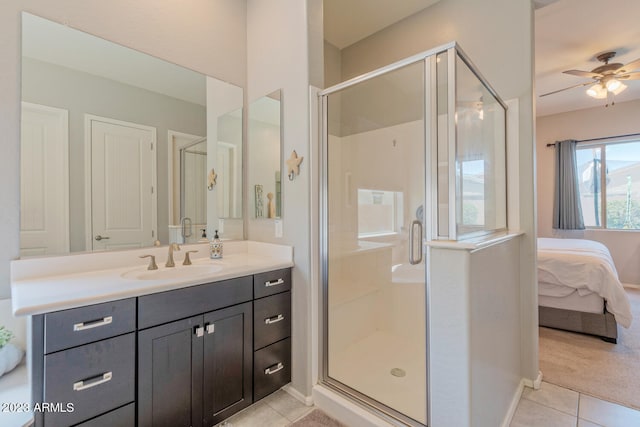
point(602, 325)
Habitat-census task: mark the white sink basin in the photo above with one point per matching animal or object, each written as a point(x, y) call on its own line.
point(181, 272)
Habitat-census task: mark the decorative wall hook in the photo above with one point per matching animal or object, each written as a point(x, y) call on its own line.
point(211, 179)
point(293, 165)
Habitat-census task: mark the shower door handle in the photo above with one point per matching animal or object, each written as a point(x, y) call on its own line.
point(412, 242)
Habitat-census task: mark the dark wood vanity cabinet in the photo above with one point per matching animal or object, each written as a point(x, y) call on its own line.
point(83, 365)
point(271, 332)
point(197, 371)
point(186, 357)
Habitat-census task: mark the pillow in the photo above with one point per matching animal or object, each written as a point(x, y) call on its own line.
point(10, 357)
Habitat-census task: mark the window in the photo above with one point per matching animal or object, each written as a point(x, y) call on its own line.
point(379, 212)
point(609, 184)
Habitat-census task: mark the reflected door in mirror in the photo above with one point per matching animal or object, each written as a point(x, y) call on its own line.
point(123, 181)
point(44, 181)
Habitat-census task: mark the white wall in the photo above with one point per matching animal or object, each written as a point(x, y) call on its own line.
point(279, 36)
point(332, 65)
point(498, 37)
point(208, 36)
point(589, 123)
point(473, 314)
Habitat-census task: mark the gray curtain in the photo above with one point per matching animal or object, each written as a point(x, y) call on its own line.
point(567, 211)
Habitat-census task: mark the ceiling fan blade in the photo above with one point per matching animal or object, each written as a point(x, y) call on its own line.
point(631, 66)
point(567, 88)
point(629, 76)
point(580, 73)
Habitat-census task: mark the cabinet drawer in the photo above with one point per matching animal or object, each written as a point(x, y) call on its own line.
point(121, 417)
point(271, 319)
point(271, 368)
point(165, 307)
point(77, 326)
point(95, 378)
point(271, 282)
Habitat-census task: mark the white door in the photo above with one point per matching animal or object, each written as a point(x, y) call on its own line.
point(123, 180)
point(44, 180)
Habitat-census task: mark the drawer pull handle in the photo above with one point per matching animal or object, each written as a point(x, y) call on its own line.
point(92, 382)
point(274, 319)
point(273, 282)
point(273, 369)
point(92, 324)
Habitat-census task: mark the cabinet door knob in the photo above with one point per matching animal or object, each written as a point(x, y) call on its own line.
point(199, 330)
point(211, 328)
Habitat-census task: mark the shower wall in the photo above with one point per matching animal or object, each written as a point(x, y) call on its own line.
point(396, 161)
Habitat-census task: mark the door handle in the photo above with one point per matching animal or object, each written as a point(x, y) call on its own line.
point(99, 237)
point(412, 242)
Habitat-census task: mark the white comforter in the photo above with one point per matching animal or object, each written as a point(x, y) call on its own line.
point(585, 265)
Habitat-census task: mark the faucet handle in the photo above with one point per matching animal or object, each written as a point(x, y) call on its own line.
point(187, 260)
point(152, 262)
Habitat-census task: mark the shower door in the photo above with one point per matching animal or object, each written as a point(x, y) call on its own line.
point(374, 265)
point(193, 188)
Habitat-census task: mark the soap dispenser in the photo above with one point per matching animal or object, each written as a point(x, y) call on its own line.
point(203, 238)
point(215, 247)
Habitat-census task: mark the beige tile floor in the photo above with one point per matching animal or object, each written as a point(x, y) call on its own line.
point(553, 406)
point(279, 409)
point(550, 406)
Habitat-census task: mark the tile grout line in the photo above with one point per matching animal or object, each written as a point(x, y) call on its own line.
point(556, 409)
point(307, 410)
point(578, 410)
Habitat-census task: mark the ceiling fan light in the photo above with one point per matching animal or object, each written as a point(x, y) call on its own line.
point(613, 85)
point(620, 88)
point(597, 91)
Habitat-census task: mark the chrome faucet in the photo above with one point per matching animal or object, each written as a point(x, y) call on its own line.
point(172, 247)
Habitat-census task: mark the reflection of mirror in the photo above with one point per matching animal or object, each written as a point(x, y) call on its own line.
point(229, 165)
point(265, 136)
point(102, 131)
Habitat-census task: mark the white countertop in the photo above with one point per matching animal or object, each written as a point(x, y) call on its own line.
point(42, 285)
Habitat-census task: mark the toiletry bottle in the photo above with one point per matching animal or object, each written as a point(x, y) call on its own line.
point(215, 247)
point(203, 238)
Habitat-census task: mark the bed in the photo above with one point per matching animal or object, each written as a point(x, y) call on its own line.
point(579, 290)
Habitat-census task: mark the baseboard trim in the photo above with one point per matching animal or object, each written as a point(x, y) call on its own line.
point(307, 400)
point(534, 384)
point(514, 403)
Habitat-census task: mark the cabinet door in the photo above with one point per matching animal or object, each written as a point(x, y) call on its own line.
point(228, 367)
point(170, 375)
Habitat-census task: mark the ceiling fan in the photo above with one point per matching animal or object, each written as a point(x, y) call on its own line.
point(606, 78)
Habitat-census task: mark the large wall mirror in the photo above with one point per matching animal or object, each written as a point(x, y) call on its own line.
point(117, 146)
point(265, 170)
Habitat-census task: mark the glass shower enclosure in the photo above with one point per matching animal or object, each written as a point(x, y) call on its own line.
point(193, 188)
point(412, 152)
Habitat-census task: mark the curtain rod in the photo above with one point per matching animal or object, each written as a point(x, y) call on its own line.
point(598, 139)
